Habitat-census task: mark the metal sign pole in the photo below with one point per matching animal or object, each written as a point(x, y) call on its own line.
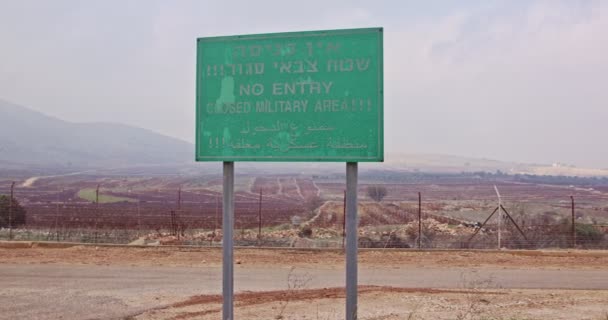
point(227, 242)
point(222, 136)
point(351, 240)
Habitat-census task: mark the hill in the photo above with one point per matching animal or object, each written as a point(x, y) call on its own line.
point(32, 139)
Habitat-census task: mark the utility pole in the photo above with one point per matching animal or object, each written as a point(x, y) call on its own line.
point(499, 216)
point(419, 220)
point(10, 212)
point(573, 232)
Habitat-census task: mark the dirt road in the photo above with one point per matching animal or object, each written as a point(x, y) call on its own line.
point(107, 283)
point(192, 257)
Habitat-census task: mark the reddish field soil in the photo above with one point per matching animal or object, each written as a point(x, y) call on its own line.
point(289, 188)
point(192, 257)
point(307, 188)
point(50, 201)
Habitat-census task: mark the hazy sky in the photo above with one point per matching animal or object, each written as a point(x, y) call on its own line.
point(508, 80)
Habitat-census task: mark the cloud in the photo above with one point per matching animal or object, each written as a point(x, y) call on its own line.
point(519, 86)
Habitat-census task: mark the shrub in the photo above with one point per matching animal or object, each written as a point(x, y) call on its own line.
point(588, 234)
point(305, 232)
point(17, 214)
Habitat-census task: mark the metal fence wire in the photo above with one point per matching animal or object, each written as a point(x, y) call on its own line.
point(195, 218)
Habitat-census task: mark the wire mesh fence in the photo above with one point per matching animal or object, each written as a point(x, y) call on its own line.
point(392, 223)
point(453, 212)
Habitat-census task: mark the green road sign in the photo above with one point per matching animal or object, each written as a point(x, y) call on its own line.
point(300, 96)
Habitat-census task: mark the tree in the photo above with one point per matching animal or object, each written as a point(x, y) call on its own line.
point(377, 193)
point(17, 213)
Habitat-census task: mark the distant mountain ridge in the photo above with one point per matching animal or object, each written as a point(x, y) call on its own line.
point(456, 164)
point(30, 138)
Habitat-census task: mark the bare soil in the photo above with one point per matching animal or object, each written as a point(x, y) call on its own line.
point(192, 257)
point(387, 303)
point(476, 299)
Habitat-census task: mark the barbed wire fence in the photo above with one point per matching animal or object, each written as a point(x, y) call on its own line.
point(194, 218)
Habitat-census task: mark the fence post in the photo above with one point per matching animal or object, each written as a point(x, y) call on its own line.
point(50, 237)
point(217, 219)
point(515, 224)
point(177, 212)
point(96, 210)
point(260, 218)
point(138, 217)
point(344, 219)
point(179, 198)
point(499, 217)
point(573, 231)
point(10, 212)
point(480, 227)
point(419, 220)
